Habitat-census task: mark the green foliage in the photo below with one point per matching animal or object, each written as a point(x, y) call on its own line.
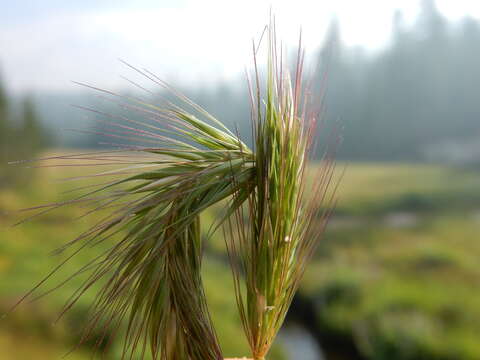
point(24, 256)
point(34, 137)
point(405, 292)
point(271, 248)
point(21, 137)
point(153, 272)
point(379, 188)
point(4, 130)
point(148, 280)
point(397, 291)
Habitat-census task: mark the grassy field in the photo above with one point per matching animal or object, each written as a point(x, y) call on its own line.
point(397, 272)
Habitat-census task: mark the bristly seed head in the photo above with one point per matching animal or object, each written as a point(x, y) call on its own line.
point(186, 161)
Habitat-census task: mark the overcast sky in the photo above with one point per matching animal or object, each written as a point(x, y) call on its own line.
point(46, 43)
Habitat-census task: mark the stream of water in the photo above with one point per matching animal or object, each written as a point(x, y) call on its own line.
point(299, 344)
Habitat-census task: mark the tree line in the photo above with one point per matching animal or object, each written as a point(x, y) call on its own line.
point(416, 99)
point(21, 136)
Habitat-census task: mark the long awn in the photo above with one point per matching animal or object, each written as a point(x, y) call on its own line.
point(184, 162)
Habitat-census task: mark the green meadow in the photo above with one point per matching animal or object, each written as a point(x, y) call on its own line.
point(396, 274)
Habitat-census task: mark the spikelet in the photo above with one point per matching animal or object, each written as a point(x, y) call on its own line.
point(275, 234)
point(184, 162)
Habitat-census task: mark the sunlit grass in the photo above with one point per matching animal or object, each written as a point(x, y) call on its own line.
point(404, 292)
point(363, 273)
point(376, 188)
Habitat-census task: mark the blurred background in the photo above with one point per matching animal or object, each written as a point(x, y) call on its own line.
point(396, 276)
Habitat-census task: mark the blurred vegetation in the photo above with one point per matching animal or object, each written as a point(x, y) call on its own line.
point(396, 275)
point(21, 137)
point(25, 258)
point(395, 278)
point(413, 100)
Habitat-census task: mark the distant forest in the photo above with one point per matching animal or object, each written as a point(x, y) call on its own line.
point(417, 99)
point(21, 136)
